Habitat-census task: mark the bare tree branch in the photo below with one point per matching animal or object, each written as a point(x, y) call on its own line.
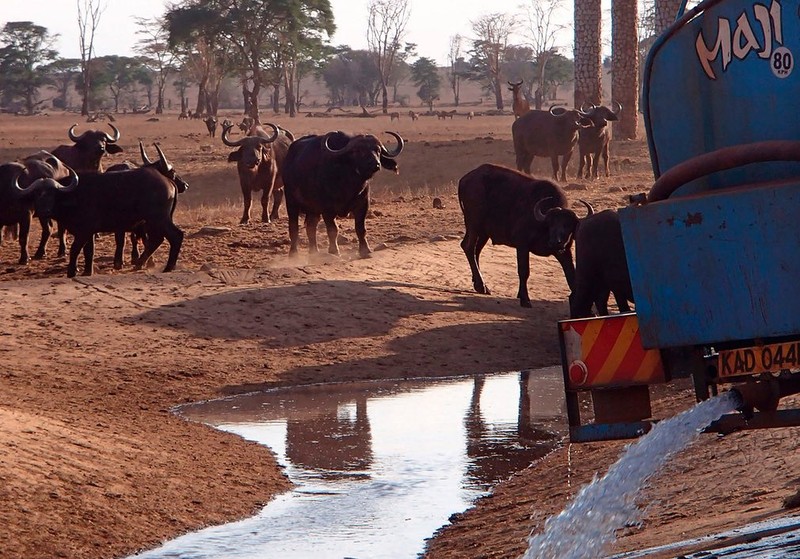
point(386, 27)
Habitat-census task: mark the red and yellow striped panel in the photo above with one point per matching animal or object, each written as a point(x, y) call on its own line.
point(608, 351)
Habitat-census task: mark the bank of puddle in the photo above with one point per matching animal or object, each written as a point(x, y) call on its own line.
point(377, 466)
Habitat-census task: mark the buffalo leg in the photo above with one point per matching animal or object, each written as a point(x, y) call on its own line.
point(61, 233)
point(312, 220)
point(333, 233)
point(24, 230)
point(78, 243)
point(45, 224)
point(293, 213)
point(175, 240)
point(524, 272)
point(360, 213)
point(154, 240)
point(605, 159)
point(472, 249)
point(524, 162)
point(88, 256)
point(564, 162)
point(622, 303)
point(277, 198)
point(119, 248)
point(554, 163)
point(265, 205)
point(248, 200)
point(565, 259)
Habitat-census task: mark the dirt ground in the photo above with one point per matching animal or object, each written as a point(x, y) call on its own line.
point(94, 465)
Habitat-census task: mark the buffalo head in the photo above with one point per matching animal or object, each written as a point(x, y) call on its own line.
point(164, 167)
point(364, 153)
point(41, 176)
point(601, 115)
point(561, 224)
point(251, 150)
point(94, 144)
point(574, 117)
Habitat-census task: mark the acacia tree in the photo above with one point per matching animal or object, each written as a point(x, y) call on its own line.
point(587, 51)
point(426, 78)
point(157, 56)
point(541, 30)
point(489, 49)
point(386, 27)
point(89, 12)
point(195, 35)
point(60, 74)
point(22, 59)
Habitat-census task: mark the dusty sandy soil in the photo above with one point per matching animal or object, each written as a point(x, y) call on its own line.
point(94, 465)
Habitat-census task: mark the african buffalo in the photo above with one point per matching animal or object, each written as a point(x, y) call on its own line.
point(85, 154)
point(17, 211)
point(328, 175)
point(516, 210)
point(259, 160)
point(550, 134)
point(601, 266)
point(593, 141)
point(113, 202)
point(88, 150)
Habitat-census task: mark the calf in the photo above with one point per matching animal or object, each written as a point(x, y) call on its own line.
point(601, 267)
point(513, 209)
point(594, 140)
point(113, 202)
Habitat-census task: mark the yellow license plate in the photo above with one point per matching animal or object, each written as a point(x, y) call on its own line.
point(770, 358)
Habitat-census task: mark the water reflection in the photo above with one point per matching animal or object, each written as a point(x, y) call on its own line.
point(378, 466)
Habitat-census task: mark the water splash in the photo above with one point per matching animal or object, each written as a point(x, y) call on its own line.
point(587, 526)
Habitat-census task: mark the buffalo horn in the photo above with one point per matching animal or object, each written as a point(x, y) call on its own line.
point(619, 108)
point(328, 148)
point(397, 150)
point(145, 159)
point(589, 208)
point(115, 137)
point(270, 139)
point(287, 133)
point(519, 83)
point(40, 182)
point(537, 210)
point(590, 110)
point(229, 143)
point(555, 110)
point(71, 133)
point(166, 166)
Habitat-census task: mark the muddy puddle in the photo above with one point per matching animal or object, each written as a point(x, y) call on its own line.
point(377, 466)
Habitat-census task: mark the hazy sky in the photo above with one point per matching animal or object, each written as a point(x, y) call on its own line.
point(432, 22)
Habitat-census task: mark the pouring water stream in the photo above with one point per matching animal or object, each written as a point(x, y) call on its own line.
point(588, 525)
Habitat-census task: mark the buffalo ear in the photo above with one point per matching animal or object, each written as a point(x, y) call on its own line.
point(389, 164)
point(234, 156)
point(113, 148)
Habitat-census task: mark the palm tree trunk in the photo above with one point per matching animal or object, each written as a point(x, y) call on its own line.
point(625, 62)
point(588, 77)
point(666, 10)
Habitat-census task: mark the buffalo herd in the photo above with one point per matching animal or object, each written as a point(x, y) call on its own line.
point(326, 176)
